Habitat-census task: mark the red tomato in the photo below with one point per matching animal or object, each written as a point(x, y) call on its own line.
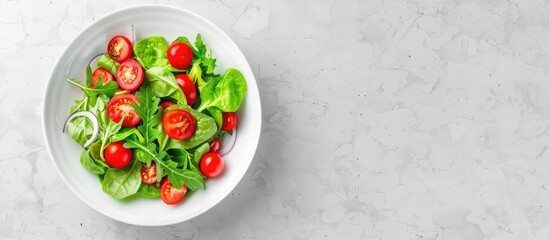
point(180, 55)
point(212, 165)
point(166, 104)
point(117, 155)
point(215, 145)
point(148, 174)
point(120, 48)
point(187, 85)
point(129, 75)
point(169, 194)
point(105, 75)
point(121, 106)
point(229, 121)
point(178, 124)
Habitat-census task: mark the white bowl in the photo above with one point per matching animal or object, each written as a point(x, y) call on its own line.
point(148, 20)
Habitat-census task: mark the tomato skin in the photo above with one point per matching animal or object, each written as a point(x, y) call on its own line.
point(212, 165)
point(215, 146)
point(169, 194)
point(120, 48)
point(120, 106)
point(129, 75)
point(116, 155)
point(229, 121)
point(178, 124)
point(148, 174)
point(188, 87)
point(166, 104)
point(105, 75)
point(180, 55)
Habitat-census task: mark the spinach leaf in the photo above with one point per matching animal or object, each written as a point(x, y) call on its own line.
point(148, 191)
point(163, 84)
point(163, 163)
point(120, 183)
point(199, 152)
point(152, 52)
point(80, 129)
point(216, 115)
point(108, 63)
point(226, 92)
point(92, 165)
point(205, 130)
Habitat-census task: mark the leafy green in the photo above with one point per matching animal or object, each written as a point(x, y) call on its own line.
point(92, 165)
point(163, 84)
point(226, 92)
point(80, 129)
point(108, 130)
point(200, 151)
point(195, 74)
point(108, 63)
point(181, 157)
point(216, 115)
point(107, 89)
point(205, 130)
point(120, 183)
point(202, 56)
point(152, 52)
point(150, 113)
point(125, 133)
point(148, 191)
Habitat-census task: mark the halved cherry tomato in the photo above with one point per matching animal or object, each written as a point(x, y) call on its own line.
point(215, 145)
point(121, 106)
point(229, 121)
point(148, 174)
point(105, 75)
point(169, 194)
point(120, 48)
point(166, 104)
point(180, 55)
point(117, 155)
point(187, 85)
point(129, 75)
point(212, 165)
point(178, 124)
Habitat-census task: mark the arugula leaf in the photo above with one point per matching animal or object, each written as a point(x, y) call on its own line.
point(110, 128)
point(125, 133)
point(203, 61)
point(120, 183)
point(226, 92)
point(108, 89)
point(152, 52)
point(163, 84)
point(150, 113)
point(195, 74)
point(108, 63)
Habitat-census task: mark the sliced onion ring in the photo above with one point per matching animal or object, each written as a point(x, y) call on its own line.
point(226, 148)
point(95, 123)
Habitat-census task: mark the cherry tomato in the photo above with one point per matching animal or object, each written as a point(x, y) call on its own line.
point(212, 165)
point(129, 75)
point(117, 155)
point(180, 55)
point(148, 174)
point(229, 121)
point(121, 106)
point(187, 85)
point(178, 124)
point(169, 194)
point(166, 104)
point(215, 145)
point(105, 75)
point(120, 48)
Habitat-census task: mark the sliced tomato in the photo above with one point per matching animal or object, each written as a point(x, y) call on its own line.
point(121, 106)
point(105, 75)
point(188, 87)
point(166, 104)
point(148, 174)
point(229, 121)
point(120, 48)
point(129, 75)
point(215, 145)
point(178, 124)
point(169, 194)
point(180, 55)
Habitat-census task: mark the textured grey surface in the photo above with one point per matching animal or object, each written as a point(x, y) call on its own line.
point(382, 120)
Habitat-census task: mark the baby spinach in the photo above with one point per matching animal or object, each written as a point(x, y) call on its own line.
point(80, 129)
point(121, 183)
point(226, 92)
point(216, 115)
point(108, 63)
point(200, 151)
point(163, 84)
point(148, 191)
point(205, 129)
point(152, 52)
point(91, 164)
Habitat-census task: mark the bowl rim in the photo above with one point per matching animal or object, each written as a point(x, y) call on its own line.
point(159, 7)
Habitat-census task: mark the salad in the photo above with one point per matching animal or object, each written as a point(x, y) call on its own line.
point(152, 115)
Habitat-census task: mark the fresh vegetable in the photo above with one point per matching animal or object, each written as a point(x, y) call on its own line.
point(229, 121)
point(129, 75)
point(153, 121)
point(119, 48)
point(212, 165)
